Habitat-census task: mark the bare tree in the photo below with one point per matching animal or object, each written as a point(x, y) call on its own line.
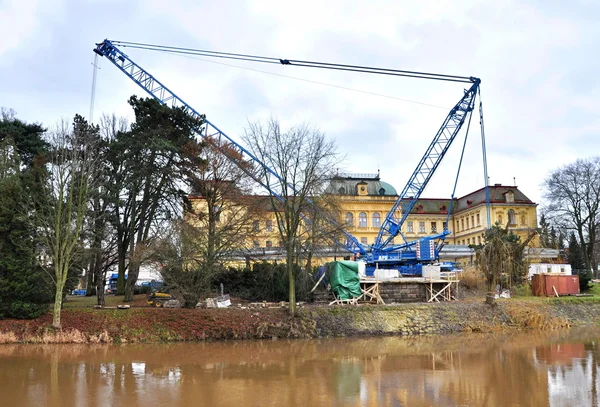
point(303, 160)
point(573, 196)
point(215, 228)
point(503, 254)
point(61, 216)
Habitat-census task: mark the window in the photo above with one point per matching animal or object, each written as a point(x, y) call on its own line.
point(478, 221)
point(500, 219)
point(478, 239)
point(409, 225)
point(445, 225)
point(512, 218)
point(510, 197)
point(363, 240)
point(472, 222)
point(255, 226)
point(523, 220)
point(362, 220)
point(255, 243)
point(269, 243)
point(462, 224)
point(467, 222)
point(376, 220)
point(349, 219)
point(269, 226)
point(469, 241)
point(433, 227)
point(421, 227)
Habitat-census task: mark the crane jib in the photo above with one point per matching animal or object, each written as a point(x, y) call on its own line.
point(407, 199)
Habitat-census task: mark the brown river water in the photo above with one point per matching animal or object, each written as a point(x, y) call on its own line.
point(525, 369)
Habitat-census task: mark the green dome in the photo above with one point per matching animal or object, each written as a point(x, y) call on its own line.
point(349, 186)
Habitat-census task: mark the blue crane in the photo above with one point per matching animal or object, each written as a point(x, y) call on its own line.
point(384, 251)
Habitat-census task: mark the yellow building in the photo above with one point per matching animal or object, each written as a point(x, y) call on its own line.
point(364, 201)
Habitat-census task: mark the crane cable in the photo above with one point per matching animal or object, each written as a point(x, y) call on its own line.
point(309, 64)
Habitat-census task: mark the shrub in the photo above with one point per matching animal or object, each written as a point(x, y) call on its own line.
point(522, 290)
point(472, 278)
point(264, 282)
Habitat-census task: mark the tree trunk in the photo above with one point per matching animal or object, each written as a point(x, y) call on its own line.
point(121, 270)
point(90, 281)
point(100, 290)
point(132, 276)
point(292, 281)
point(58, 297)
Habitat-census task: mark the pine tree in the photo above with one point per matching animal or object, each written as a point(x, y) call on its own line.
point(25, 289)
point(577, 262)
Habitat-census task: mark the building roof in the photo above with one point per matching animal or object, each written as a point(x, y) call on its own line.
point(347, 184)
point(497, 195)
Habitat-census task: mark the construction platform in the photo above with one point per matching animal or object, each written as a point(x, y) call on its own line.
point(409, 289)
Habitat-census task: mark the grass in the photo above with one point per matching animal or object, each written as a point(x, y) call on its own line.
point(78, 301)
point(521, 294)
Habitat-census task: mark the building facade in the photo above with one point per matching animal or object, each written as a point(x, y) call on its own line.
point(364, 200)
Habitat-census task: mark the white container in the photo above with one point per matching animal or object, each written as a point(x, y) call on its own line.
point(547, 268)
point(386, 274)
point(362, 269)
point(432, 272)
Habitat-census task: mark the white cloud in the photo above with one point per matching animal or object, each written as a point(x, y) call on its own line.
point(537, 64)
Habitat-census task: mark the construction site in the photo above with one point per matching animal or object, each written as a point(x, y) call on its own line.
point(400, 246)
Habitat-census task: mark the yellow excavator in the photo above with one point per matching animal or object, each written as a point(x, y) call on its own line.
point(158, 296)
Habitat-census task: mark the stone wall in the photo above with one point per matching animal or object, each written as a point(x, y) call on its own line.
point(405, 292)
point(402, 292)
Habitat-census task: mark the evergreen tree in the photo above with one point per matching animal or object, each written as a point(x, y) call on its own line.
point(25, 289)
point(544, 233)
point(577, 262)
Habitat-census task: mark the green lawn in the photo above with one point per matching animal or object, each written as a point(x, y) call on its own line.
point(525, 294)
point(77, 301)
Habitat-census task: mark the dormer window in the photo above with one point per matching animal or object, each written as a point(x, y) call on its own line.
point(381, 191)
point(420, 209)
point(443, 209)
point(509, 197)
point(342, 191)
point(469, 203)
point(361, 188)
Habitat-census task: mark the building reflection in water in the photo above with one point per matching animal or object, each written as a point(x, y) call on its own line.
point(458, 371)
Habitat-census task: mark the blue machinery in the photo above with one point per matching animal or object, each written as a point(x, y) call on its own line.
point(407, 256)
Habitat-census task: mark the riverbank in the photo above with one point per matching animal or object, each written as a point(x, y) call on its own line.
point(167, 325)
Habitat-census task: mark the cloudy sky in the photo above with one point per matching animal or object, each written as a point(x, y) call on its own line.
point(537, 60)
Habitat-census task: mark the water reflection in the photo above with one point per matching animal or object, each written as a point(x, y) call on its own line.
point(556, 369)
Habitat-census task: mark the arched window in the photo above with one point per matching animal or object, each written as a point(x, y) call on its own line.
point(362, 220)
point(376, 220)
point(349, 219)
point(512, 218)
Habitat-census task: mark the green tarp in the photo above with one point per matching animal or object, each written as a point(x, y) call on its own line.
point(343, 279)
